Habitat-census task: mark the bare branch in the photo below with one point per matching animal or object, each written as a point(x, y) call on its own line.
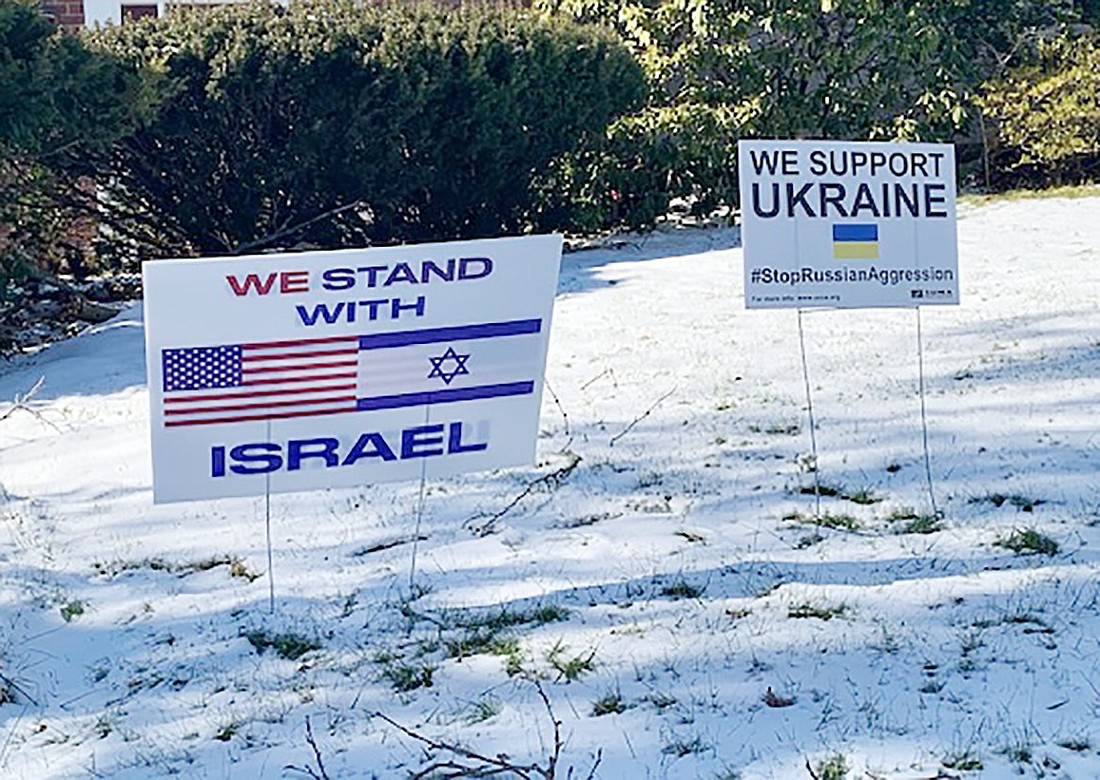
point(316, 750)
point(22, 402)
point(11, 685)
point(305, 770)
point(320, 773)
point(489, 764)
point(548, 481)
point(553, 760)
point(606, 372)
point(637, 420)
point(248, 246)
point(595, 765)
point(564, 416)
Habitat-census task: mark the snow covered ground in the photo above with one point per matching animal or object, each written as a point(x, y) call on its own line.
point(659, 577)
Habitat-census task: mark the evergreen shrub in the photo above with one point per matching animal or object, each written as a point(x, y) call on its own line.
point(57, 100)
point(335, 123)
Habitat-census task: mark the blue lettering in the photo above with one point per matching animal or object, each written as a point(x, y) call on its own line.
point(369, 445)
point(372, 273)
point(421, 442)
point(454, 441)
point(264, 454)
point(400, 273)
point(338, 278)
point(321, 311)
point(298, 450)
point(217, 461)
point(373, 306)
point(424, 441)
point(474, 267)
point(396, 307)
point(763, 160)
point(429, 267)
point(799, 199)
point(931, 200)
point(865, 199)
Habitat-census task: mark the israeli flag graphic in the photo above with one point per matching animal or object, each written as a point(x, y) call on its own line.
point(448, 365)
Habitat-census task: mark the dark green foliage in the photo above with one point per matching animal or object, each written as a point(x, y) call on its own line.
point(807, 610)
point(922, 524)
point(647, 159)
point(406, 678)
point(1022, 503)
point(610, 703)
point(570, 669)
point(478, 642)
point(833, 768)
point(1090, 11)
point(842, 69)
point(57, 100)
point(344, 124)
point(1046, 116)
point(1028, 541)
point(506, 618)
point(681, 589)
point(288, 646)
point(24, 38)
point(820, 490)
point(54, 92)
point(964, 762)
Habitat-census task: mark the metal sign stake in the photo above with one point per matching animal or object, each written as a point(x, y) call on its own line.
point(924, 416)
point(810, 414)
point(267, 525)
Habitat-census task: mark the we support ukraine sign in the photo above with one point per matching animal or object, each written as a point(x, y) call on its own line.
point(302, 371)
point(848, 225)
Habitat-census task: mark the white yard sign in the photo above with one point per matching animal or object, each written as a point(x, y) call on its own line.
point(848, 225)
point(325, 369)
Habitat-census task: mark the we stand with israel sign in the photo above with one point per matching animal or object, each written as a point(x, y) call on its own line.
point(848, 225)
point(301, 371)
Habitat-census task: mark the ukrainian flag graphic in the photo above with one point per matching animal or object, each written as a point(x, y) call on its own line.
point(855, 242)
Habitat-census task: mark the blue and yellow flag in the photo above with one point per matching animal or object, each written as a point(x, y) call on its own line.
point(855, 242)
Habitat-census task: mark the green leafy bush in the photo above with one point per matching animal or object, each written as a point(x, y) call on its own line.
point(647, 159)
point(1046, 116)
point(842, 69)
point(344, 124)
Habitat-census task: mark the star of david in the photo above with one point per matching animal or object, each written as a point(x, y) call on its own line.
point(459, 366)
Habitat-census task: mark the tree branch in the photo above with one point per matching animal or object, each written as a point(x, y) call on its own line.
point(23, 402)
point(548, 481)
point(498, 763)
point(249, 246)
point(637, 420)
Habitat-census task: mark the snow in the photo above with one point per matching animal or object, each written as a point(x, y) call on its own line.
point(674, 572)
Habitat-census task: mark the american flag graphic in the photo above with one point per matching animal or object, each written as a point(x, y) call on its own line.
point(233, 383)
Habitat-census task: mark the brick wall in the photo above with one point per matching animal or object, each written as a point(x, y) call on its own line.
point(68, 14)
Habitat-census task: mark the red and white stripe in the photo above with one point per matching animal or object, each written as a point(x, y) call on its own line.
point(280, 379)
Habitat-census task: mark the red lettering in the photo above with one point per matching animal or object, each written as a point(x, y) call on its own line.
point(289, 282)
point(293, 282)
point(250, 281)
